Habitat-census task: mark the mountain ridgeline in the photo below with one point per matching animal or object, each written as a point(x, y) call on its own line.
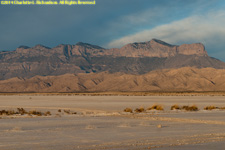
point(135, 58)
point(166, 80)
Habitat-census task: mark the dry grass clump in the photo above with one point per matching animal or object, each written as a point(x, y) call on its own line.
point(156, 107)
point(175, 107)
point(210, 107)
point(47, 113)
point(213, 107)
point(185, 107)
point(39, 113)
point(22, 111)
point(69, 112)
point(190, 108)
point(128, 110)
point(159, 126)
point(34, 112)
point(140, 110)
point(7, 112)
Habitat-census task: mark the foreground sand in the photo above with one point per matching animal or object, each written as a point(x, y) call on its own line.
point(100, 123)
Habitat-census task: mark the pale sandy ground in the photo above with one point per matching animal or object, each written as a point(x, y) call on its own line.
point(101, 124)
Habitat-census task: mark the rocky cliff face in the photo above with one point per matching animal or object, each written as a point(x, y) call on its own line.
point(135, 58)
point(192, 49)
point(157, 48)
point(153, 48)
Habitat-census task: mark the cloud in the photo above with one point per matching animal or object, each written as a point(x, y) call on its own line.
point(207, 29)
point(146, 16)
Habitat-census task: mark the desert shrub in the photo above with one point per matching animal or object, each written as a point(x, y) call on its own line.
point(2, 112)
point(128, 110)
point(222, 108)
point(66, 111)
point(48, 113)
point(190, 108)
point(156, 107)
point(175, 107)
point(21, 111)
point(73, 112)
point(193, 108)
point(31, 112)
point(69, 112)
point(210, 108)
point(185, 107)
point(139, 110)
point(11, 112)
point(34, 112)
point(7, 112)
point(59, 110)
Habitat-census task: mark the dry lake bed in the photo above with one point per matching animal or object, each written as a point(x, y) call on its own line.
point(99, 122)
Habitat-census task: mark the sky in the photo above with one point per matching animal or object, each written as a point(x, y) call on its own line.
point(115, 23)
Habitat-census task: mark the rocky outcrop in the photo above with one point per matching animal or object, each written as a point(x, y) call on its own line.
point(192, 49)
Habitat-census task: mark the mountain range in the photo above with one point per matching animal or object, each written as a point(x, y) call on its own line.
point(135, 58)
point(146, 66)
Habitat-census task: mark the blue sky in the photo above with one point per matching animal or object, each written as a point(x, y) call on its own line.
point(114, 23)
